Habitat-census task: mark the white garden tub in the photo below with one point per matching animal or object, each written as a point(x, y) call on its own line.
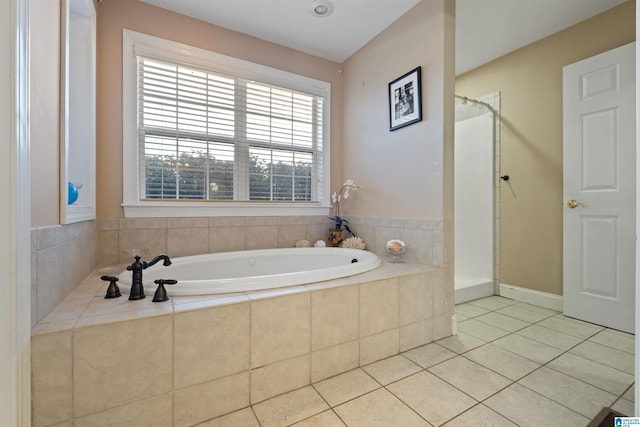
point(254, 270)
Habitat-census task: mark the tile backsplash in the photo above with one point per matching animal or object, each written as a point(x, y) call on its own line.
point(192, 236)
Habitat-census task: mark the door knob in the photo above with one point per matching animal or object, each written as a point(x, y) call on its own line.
point(574, 204)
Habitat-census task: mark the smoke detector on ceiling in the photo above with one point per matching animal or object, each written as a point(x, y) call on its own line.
point(321, 8)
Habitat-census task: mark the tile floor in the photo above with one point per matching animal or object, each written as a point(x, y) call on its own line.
point(511, 364)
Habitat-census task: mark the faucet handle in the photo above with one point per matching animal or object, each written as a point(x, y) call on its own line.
point(161, 292)
point(113, 291)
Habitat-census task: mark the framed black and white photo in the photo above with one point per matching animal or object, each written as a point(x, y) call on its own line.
point(405, 103)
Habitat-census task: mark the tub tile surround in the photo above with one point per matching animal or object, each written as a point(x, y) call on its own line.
point(192, 236)
point(98, 361)
point(61, 257)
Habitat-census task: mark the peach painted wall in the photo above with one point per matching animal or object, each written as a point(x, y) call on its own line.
point(44, 120)
point(116, 15)
point(530, 83)
point(401, 172)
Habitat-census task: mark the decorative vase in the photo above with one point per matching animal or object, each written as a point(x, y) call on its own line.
point(396, 248)
point(335, 237)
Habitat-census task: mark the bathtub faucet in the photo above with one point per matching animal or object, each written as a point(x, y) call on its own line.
point(137, 290)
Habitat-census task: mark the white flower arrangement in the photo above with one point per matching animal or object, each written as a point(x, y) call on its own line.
point(336, 197)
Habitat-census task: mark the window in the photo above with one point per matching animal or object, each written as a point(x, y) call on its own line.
point(211, 132)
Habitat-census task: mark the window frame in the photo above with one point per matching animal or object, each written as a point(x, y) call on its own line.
point(134, 44)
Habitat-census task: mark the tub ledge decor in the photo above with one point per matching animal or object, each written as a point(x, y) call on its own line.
point(335, 237)
point(302, 244)
point(353, 242)
point(396, 248)
point(335, 234)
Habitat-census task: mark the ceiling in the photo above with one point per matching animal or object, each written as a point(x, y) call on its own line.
point(485, 29)
point(489, 29)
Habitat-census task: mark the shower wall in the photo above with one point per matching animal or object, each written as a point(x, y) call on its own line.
point(474, 202)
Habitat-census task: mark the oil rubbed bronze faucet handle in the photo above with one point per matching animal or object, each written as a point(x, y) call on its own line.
point(113, 291)
point(161, 292)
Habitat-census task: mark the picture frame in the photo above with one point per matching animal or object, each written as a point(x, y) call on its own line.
point(405, 99)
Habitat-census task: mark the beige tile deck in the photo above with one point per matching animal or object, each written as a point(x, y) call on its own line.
point(513, 364)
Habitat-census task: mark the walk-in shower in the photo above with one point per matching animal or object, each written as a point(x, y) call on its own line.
point(475, 223)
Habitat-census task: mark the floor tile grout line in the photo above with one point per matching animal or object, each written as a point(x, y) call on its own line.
point(564, 373)
point(548, 362)
point(515, 332)
point(382, 386)
point(622, 398)
point(255, 416)
point(609, 346)
point(465, 355)
point(350, 399)
point(385, 387)
point(570, 376)
point(555, 314)
point(568, 351)
point(539, 321)
point(415, 411)
point(545, 365)
point(510, 332)
point(496, 372)
point(462, 391)
point(578, 379)
point(598, 361)
point(481, 403)
point(497, 311)
point(329, 408)
point(550, 399)
point(536, 323)
point(422, 369)
point(519, 379)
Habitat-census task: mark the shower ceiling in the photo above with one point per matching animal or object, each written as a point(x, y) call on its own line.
point(485, 29)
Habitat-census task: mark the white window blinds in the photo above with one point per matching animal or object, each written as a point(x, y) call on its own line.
point(204, 135)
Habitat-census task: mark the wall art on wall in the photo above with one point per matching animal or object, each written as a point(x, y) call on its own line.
point(405, 100)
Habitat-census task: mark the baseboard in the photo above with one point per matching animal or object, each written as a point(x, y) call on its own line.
point(530, 296)
point(473, 292)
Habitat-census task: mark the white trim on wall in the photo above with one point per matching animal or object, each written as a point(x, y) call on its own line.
point(637, 352)
point(530, 296)
point(134, 43)
point(471, 293)
point(15, 251)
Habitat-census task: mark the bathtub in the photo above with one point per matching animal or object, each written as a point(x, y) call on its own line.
point(239, 345)
point(254, 270)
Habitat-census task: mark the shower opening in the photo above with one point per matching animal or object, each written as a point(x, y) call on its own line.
point(476, 197)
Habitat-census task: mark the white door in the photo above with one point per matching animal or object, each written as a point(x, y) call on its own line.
point(599, 189)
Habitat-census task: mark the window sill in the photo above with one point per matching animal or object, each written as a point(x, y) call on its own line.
point(188, 210)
